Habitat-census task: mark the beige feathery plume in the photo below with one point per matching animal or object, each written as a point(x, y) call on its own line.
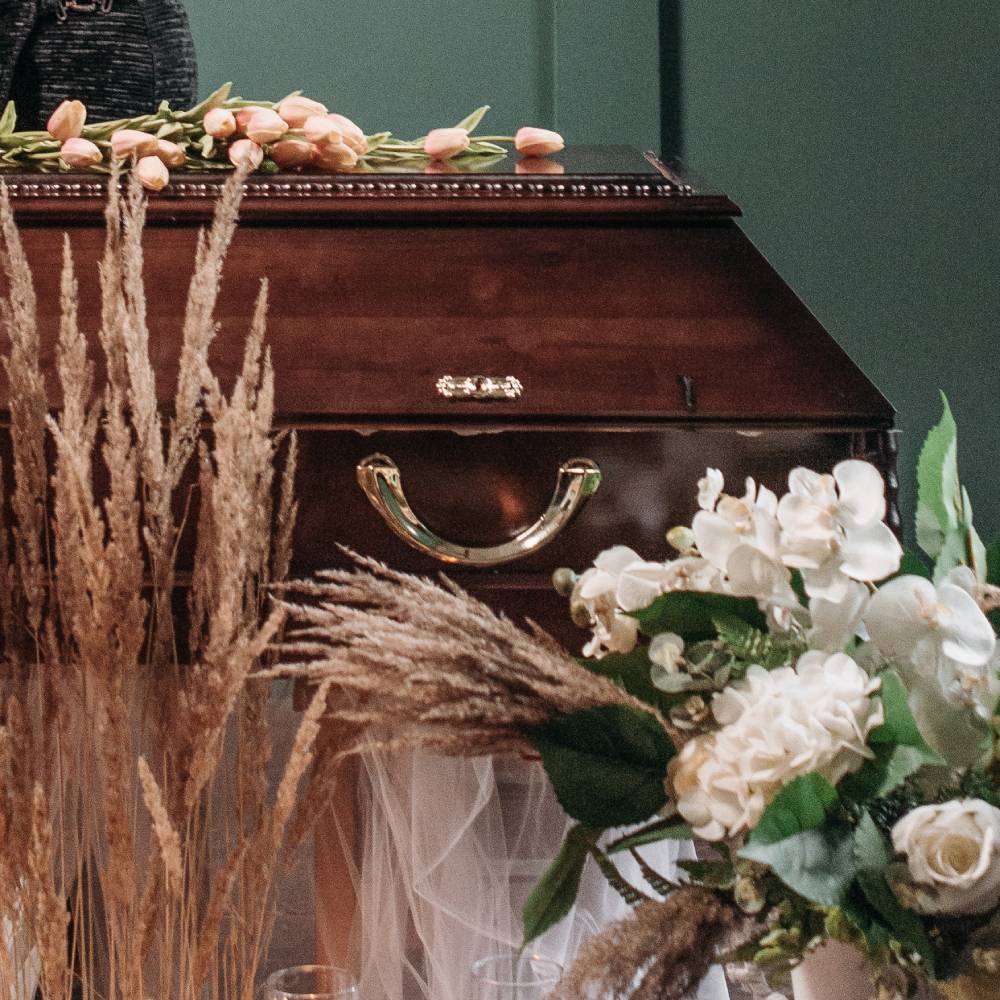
point(430, 664)
point(166, 836)
point(661, 951)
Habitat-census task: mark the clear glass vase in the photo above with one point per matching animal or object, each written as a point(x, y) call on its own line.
point(514, 976)
point(311, 982)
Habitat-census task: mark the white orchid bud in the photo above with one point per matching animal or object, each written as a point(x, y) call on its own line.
point(444, 143)
point(538, 142)
point(245, 152)
point(130, 142)
point(67, 121)
point(220, 123)
point(170, 153)
point(265, 127)
point(81, 153)
point(292, 152)
point(295, 110)
point(353, 135)
point(152, 173)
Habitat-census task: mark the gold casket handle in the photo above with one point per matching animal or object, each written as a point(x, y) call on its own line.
point(379, 477)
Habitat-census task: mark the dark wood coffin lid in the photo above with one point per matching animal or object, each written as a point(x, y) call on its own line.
point(620, 293)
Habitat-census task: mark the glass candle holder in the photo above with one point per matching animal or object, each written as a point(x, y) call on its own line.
point(514, 976)
point(311, 982)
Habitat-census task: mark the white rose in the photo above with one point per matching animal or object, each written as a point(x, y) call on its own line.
point(775, 726)
point(953, 852)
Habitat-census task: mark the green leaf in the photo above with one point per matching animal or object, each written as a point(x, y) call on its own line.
point(214, 100)
point(470, 122)
point(937, 484)
point(797, 839)
point(606, 764)
point(664, 829)
point(912, 564)
point(871, 860)
point(900, 749)
point(692, 614)
point(631, 672)
point(993, 563)
point(714, 874)
point(8, 120)
point(754, 645)
point(555, 894)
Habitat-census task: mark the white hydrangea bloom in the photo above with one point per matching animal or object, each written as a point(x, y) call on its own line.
point(775, 726)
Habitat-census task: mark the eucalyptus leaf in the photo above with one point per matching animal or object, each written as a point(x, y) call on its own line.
point(607, 765)
point(556, 893)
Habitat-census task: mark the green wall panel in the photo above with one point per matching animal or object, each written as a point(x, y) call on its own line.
point(586, 67)
point(862, 141)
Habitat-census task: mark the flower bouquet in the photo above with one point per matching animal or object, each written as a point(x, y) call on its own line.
point(223, 132)
point(792, 689)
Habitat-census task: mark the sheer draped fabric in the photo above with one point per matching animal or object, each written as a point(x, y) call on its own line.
point(449, 851)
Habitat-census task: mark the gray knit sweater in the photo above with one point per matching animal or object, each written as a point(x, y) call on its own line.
point(119, 64)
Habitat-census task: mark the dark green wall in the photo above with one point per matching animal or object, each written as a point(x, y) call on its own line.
point(861, 139)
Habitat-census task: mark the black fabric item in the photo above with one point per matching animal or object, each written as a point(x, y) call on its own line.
point(120, 64)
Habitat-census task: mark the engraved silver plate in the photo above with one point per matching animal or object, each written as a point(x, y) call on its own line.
point(479, 387)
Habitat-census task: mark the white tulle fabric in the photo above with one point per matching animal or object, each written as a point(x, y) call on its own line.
point(450, 849)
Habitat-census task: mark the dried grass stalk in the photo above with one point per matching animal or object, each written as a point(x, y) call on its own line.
point(661, 951)
point(430, 664)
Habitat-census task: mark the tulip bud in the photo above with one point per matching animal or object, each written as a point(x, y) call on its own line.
point(130, 142)
point(444, 143)
point(335, 156)
point(170, 153)
point(321, 131)
point(266, 127)
point(220, 123)
point(538, 142)
point(244, 115)
point(67, 121)
point(245, 152)
point(152, 173)
point(295, 110)
point(80, 153)
point(353, 134)
point(292, 152)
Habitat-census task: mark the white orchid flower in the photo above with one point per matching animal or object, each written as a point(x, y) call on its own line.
point(832, 529)
point(911, 620)
point(836, 623)
point(597, 589)
point(710, 489)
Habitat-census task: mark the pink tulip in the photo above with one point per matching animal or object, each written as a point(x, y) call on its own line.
point(67, 121)
point(538, 142)
point(130, 142)
point(320, 130)
point(294, 152)
point(152, 173)
point(335, 156)
point(265, 127)
point(243, 116)
point(80, 153)
point(295, 110)
point(353, 135)
point(444, 143)
point(220, 123)
point(170, 153)
point(245, 152)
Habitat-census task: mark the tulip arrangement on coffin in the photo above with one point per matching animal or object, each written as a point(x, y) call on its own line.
point(224, 132)
point(790, 687)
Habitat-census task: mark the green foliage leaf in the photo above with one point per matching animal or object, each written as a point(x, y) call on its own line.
point(754, 645)
point(871, 860)
point(993, 563)
point(900, 750)
point(664, 829)
point(606, 764)
point(912, 564)
point(631, 672)
point(470, 122)
point(937, 484)
point(806, 848)
point(555, 894)
point(8, 120)
point(692, 615)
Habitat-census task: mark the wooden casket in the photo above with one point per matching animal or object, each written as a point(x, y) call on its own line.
point(499, 373)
